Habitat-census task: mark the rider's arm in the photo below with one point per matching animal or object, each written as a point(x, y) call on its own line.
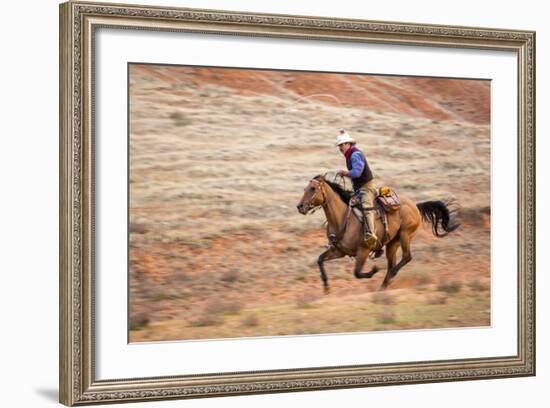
point(357, 165)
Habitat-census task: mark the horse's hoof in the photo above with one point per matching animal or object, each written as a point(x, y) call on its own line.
point(326, 290)
point(372, 272)
point(385, 285)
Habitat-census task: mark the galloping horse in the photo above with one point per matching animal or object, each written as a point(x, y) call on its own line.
point(345, 232)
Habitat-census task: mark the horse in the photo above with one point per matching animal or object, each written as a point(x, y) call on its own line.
point(345, 231)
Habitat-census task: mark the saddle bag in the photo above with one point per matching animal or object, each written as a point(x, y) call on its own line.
point(388, 199)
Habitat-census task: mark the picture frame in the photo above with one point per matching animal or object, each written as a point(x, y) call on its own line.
point(78, 258)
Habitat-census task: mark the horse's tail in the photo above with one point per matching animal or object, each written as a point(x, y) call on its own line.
point(441, 214)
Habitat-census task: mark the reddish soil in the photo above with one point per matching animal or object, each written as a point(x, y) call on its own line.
point(432, 98)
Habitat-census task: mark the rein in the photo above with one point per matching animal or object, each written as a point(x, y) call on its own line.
point(334, 239)
point(342, 178)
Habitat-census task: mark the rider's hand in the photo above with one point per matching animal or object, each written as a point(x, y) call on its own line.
point(342, 173)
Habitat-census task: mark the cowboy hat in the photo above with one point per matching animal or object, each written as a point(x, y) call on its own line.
point(344, 137)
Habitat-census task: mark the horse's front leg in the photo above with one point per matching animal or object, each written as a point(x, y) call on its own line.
point(331, 253)
point(360, 259)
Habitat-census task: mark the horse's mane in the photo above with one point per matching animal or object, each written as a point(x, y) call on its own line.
point(344, 195)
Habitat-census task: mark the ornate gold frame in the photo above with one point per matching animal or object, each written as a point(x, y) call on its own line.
point(78, 22)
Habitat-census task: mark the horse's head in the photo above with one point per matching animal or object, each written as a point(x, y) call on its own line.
point(313, 197)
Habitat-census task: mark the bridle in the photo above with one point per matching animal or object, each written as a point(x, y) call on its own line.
point(312, 208)
point(319, 188)
point(334, 238)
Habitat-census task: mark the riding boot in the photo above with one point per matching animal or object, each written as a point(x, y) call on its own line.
point(369, 238)
point(372, 227)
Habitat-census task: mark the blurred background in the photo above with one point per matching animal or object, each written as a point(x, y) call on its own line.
point(218, 161)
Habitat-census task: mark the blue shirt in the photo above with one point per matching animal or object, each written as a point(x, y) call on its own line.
point(357, 165)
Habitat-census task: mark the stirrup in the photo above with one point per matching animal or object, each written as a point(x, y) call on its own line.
point(377, 253)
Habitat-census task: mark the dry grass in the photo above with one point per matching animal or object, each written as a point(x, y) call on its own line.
point(437, 299)
point(423, 278)
point(386, 317)
point(138, 321)
point(383, 298)
point(230, 276)
point(233, 307)
point(478, 286)
point(450, 288)
point(180, 276)
point(138, 228)
point(214, 311)
point(251, 320)
point(217, 307)
point(180, 119)
point(206, 320)
point(305, 300)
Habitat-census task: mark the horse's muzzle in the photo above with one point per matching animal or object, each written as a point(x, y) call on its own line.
point(301, 209)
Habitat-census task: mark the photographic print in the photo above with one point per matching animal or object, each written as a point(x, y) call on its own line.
point(315, 183)
point(276, 203)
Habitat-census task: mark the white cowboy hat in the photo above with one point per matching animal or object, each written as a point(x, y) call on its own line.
point(344, 137)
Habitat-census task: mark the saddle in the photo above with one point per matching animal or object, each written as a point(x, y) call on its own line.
point(386, 201)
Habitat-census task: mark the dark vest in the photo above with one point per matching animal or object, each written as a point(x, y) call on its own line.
point(365, 176)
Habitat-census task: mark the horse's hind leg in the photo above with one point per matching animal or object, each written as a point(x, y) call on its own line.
point(405, 239)
point(331, 253)
point(391, 255)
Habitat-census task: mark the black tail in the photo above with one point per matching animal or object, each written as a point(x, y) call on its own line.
point(441, 214)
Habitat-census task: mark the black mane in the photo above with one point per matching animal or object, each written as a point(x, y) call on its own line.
point(345, 195)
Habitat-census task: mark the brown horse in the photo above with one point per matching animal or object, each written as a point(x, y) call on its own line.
point(345, 231)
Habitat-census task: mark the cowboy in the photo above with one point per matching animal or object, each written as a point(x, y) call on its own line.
point(363, 183)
